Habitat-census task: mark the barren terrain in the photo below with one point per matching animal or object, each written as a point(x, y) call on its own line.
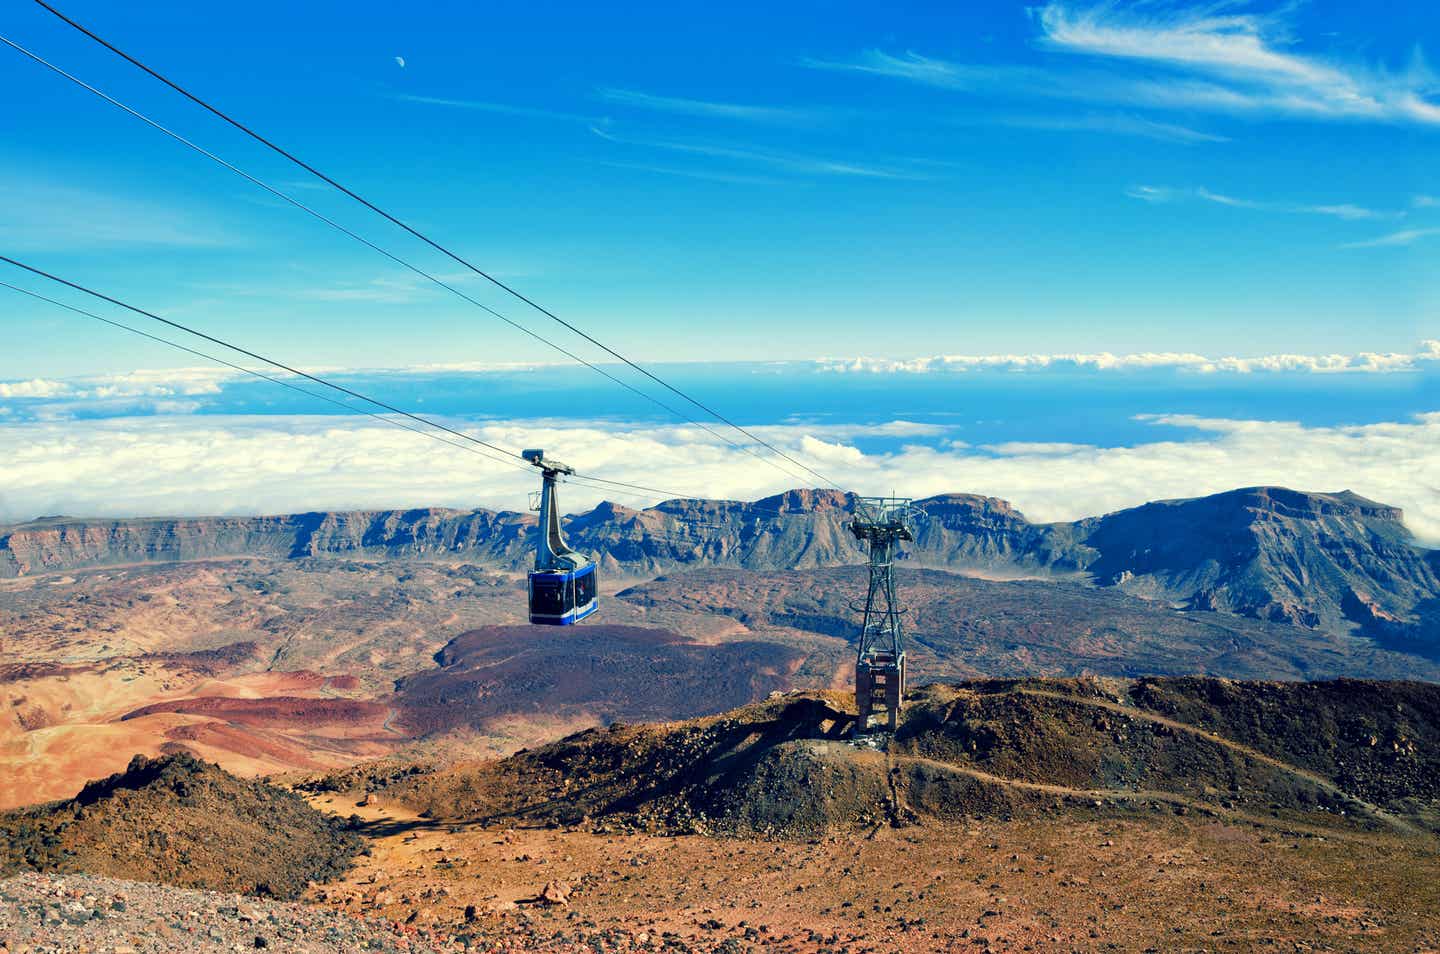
point(1150, 883)
point(1179, 814)
point(1046, 816)
point(269, 666)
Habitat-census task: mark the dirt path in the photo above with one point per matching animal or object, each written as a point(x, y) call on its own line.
point(1239, 748)
point(1135, 795)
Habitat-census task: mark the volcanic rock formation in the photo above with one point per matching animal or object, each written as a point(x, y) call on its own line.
point(1330, 561)
point(184, 822)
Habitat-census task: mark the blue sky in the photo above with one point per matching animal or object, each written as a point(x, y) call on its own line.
point(1076, 255)
point(780, 180)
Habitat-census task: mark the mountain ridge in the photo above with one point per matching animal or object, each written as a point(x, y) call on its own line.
point(1335, 561)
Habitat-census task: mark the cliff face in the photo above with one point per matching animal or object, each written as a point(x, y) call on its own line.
point(1319, 560)
point(60, 544)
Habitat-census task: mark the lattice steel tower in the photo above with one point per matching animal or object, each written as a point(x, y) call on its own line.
point(881, 523)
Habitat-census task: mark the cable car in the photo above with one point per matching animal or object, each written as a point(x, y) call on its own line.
point(562, 585)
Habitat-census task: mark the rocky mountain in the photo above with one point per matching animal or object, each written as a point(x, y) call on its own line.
point(1333, 561)
point(59, 543)
point(1319, 560)
point(1335, 754)
point(183, 821)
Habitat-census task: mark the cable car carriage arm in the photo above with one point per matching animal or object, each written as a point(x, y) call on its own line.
point(563, 584)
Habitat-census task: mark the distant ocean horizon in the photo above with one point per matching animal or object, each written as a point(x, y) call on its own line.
point(1060, 440)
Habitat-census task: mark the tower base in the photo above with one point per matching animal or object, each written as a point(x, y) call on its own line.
point(879, 689)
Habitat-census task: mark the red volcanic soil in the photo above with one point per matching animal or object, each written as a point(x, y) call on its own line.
point(287, 712)
point(235, 741)
point(606, 672)
point(240, 744)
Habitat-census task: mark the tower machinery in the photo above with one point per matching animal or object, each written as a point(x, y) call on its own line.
point(881, 523)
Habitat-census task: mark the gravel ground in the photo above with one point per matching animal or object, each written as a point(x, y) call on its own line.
point(49, 914)
point(85, 914)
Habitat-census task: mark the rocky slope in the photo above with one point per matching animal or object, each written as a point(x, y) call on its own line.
point(80, 914)
point(1332, 561)
point(1314, 559)
point(1330, 754)
point(184, 822)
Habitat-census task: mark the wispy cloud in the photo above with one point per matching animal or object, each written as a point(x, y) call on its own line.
point(504, 109)
point(1246, 59)
point(705, 174)
point(1402, 237)
point(1218, 57)
point(1341, 210)
point(1117, 125)
point(708, 108)
point(393, 287)
point(41, 215)
point(932, 71)
point(380, 292)
point(786, 162)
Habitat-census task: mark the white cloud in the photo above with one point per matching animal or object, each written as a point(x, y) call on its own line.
point(1218, 57)
point(1363, 362)
point(34, 388)
point(159, 382)
point(1247, 61)
point(1340, 210)
point(210, 464)
point(145, 383)
point(1035, 448)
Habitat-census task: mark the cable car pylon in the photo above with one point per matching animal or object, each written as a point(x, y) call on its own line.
point(562, 585)
point(881, 523)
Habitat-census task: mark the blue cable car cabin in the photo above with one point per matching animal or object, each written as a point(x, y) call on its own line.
point(563, 583)
point(562, 598)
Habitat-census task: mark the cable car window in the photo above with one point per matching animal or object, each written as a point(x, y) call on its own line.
point(547, 596)
point(585, 588)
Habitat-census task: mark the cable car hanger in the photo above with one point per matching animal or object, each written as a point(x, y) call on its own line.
point(562, 586)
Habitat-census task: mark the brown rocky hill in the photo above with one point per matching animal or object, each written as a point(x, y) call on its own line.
point(1330, 561)
point(184, 822)
point(1336, 754)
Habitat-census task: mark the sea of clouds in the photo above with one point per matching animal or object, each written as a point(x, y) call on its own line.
point(225, 464)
